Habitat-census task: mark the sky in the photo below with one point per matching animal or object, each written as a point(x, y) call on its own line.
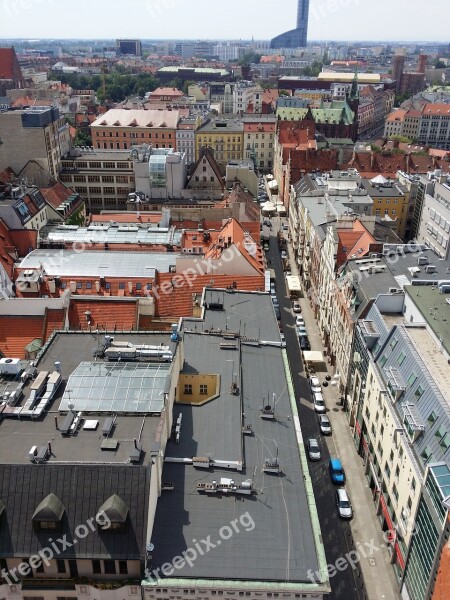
point(390, 20)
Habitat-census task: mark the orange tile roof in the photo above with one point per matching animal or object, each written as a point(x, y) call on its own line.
point(397, 115)
point(126, 217)
point(57, 194)
point(353, 242)
point(7, 175)
point(16, 332)
point(107, 314)
point(272, 58)
point(436, 109)
point(166, 91)
point(54, 321)
point(257, 127)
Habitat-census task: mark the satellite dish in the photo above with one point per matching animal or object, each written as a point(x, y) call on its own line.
point(71, 405)
point(268, 407)
point(150, 547)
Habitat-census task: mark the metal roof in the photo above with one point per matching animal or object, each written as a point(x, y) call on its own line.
point(110, 234)
point(70, 263)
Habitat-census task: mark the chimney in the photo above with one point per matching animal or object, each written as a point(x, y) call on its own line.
point(49, 447)
point(56, 422)
point(135, 443)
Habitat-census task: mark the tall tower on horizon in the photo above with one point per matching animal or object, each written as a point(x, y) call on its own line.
point(298, 37)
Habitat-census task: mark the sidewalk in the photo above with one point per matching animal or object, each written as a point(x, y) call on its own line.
point(374, 574)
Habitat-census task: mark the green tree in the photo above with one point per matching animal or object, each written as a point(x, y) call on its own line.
point(82, 139)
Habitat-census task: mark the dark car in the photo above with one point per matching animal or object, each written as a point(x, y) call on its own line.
point(277, 312)
point(304, 343)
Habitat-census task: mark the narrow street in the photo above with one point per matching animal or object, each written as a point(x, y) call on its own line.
point(339, 536)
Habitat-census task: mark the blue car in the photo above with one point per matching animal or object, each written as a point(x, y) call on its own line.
point(336, 471)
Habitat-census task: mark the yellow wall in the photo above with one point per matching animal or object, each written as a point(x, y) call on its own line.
point(399, 205)
point(227, 145)
point(211, 381)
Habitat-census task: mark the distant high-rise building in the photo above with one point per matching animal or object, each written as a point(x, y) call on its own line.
point(397, 71)
point(132, 47)
point(295, 38)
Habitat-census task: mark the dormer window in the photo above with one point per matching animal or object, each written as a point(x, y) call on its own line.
point(49, 514)
point(113, 514)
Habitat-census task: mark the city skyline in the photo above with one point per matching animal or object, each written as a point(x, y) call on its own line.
point(25, 19)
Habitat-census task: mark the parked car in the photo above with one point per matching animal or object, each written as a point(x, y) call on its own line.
point(287, 273)
point(319, 403)
point(296, 306)
point(283, 255)
point(312, 446)
point(336, 471)
point(267, 223)
point(299, 321)
point(285, 227)
point(343, 504)
point(324, 425)
point(304, 343)
point(275, 301)
point(272, 289)
point(277, 312)
point(301, 331)
point(314, 384)
point(283, 340)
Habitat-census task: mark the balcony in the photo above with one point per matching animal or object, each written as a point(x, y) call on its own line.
point(37, 583)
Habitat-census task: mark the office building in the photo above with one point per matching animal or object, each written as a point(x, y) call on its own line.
point(295, 38)
point(35, 133)
point(131, 47)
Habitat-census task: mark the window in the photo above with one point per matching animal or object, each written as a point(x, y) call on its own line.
point(188, 389)
point(419, 392)
point(123, 567)
point(79, 285)
point(149, 286)
point(110, 567)
point(412, 379)
point(203, 390)
point(88, 285)
point(139, 286)
point(96, 567)
point(432, 418)
point(395, 493)
point(426, 454)
point(121, 286)
point(383, 360)
point(107, 286)
point(61, 565)
point(401, 358)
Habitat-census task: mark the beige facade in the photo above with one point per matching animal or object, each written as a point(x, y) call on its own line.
point(103, 179)
point(21, 143)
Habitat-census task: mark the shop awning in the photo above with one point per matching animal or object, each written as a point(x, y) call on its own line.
point(313, 356)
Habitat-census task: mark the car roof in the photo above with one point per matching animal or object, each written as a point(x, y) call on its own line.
point(335, 463)
point(341, 492)
point(324, 418)
point(313, 441)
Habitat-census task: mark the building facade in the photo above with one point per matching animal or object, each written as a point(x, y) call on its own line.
point(225, 137)
point(259, 141)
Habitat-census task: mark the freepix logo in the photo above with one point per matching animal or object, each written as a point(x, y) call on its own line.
point(198, 548)
point(55, 548)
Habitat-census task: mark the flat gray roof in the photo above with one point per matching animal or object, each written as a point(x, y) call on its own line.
point(250, 313)
point(18, 436)
point(281, 546)
point(70, 263)
point(101, 234)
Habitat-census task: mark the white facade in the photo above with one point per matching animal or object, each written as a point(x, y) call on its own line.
point(434, 227)
point(186, 144)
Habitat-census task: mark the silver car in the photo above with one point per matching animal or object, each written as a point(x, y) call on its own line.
point(313, 449)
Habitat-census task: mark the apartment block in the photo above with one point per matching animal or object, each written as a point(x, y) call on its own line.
point(398, 405)
point(259, 140)
point(435, 125)
point(35, 133)
point(224, 136)
point(434, 226)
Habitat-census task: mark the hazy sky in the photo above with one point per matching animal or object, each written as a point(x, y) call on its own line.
point(232, 19)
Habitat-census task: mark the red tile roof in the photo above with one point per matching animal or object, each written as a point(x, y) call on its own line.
point(126, 217)
point(436, 109)
point(104, 314)
point(353, 242)
point(57, 194)
point(16, 332)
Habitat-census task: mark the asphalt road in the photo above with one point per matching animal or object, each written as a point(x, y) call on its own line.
point(334, 530)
